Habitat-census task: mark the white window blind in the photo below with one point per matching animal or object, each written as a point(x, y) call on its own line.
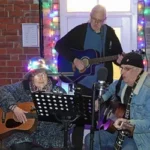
point(80, 5)
point(87, 5)
point(116, 5)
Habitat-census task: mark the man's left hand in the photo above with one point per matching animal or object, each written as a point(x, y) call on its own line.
point(124, 124)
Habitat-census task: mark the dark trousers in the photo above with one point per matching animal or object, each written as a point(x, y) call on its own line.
point(25, 146)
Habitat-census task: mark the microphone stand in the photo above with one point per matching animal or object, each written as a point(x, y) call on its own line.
point(93, 118)
point(101, 90)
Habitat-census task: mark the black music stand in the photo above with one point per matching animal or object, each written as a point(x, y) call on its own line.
point(65, 109)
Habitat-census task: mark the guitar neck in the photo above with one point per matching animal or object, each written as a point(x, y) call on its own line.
point(31, 115)
point(102, 59)
point(121, 134)
point(119, 140)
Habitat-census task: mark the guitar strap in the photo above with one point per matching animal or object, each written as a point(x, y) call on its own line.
point(103, 39)
point(127, 114)
point(121, 134)
point(127, 94)
point(118, 88)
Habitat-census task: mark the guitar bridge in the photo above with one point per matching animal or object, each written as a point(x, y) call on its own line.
point(3, 117)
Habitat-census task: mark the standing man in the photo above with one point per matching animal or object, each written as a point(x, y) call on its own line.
point(96, 35)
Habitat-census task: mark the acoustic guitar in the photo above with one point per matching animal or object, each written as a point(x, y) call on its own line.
point(91, 59)
point(10, 124)
point(109, 112)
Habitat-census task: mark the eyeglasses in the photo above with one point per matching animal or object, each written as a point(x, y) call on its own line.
point(126, 68)
point(97, 20)
point(40, 75)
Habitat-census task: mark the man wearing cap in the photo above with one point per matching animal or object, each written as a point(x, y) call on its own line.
point(134, 93)
point(46, 134)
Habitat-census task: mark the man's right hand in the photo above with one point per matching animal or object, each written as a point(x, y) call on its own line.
point(120, 57)
point(20, 115)
point(79, 64)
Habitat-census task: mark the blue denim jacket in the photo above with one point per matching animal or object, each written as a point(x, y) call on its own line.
point(139, 110)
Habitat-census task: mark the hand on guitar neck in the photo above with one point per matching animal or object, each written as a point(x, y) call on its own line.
point(124, 124)
point(120, 57)
point(81, 64)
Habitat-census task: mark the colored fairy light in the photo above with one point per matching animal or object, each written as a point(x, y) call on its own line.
point(55, 19)
point(37, 64)
point(51, 16)
point(53, 50)
point(147, 11)
point(46, 5)
point(139, 6)
point(140, 27)
point(144, 62)
point(55, 6)
point(141, 24)
point(140, 38)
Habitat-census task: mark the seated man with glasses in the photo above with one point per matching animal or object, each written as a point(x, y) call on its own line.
point(131, 119)
point(94, 35)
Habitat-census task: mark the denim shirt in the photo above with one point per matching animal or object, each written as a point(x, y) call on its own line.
point(139, 109)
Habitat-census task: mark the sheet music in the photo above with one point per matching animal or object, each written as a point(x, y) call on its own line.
point(30, 35)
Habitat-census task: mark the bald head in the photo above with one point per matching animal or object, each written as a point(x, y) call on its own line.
point(97, 17)
point(99, 9)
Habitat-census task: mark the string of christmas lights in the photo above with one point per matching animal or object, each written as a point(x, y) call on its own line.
point(50, 32)
point(143, 11)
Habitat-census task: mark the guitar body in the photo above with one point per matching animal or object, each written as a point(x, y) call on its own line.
point(66, 66)
point(11, 124)
point(109, 112)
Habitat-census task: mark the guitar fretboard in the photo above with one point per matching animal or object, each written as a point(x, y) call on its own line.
point(31, 115)
point(119, 140)
point(121, 134)
point(102, 59)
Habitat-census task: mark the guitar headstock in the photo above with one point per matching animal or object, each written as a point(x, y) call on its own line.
point(140, 51)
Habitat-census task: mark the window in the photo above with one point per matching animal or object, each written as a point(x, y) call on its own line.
point(118, 32)
point(80, 5)
point(87, 5)
point(116, 69)
point(116, 5)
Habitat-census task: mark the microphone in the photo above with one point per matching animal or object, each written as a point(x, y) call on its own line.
point(102, 74)
point(101, 78)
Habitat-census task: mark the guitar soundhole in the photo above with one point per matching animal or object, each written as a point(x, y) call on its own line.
point(11, 123)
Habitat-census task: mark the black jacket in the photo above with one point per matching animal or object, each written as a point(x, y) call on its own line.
point(75, 39)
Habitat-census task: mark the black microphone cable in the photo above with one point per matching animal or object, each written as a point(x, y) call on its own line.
point(93, 118)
